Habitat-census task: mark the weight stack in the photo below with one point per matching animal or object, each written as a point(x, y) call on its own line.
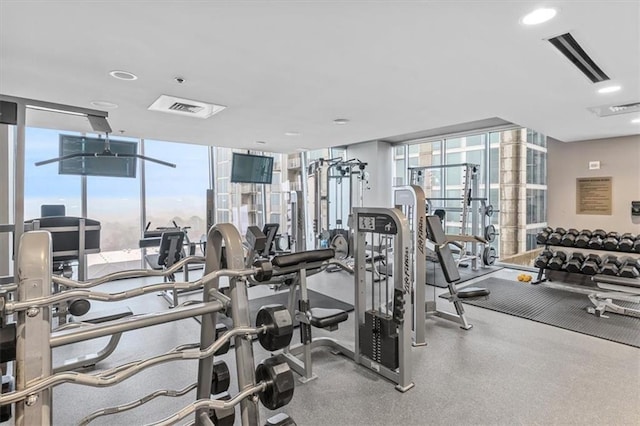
point(379, 339)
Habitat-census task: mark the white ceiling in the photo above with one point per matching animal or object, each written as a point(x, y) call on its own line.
point(390, 67)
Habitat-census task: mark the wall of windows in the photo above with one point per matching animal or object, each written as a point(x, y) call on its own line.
point(487, 151)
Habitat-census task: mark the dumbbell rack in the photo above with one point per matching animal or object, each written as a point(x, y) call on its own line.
point(542, 277)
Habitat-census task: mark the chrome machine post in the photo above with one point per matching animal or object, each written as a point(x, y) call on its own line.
point(33, 351)
point(411, 200)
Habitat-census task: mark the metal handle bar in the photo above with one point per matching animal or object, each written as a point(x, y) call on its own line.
point(133, 404)
point(121, 373)
point(133, 273)
point(211, 404)
point(10, 307)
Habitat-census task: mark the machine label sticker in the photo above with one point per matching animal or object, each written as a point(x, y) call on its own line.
point(381, 224)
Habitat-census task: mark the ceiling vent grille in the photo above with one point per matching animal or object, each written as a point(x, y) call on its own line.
point(185, 107)
point(178, 106)
point(569, 47)
point(607, 110)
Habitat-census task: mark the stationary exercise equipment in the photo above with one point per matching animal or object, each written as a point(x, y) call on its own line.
point(171, 242)
point(338, 185)
point(476, 233)
point(34, 343)
point(411, 201)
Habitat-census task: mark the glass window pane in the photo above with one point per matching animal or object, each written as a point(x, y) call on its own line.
point(177, 194)
point(453, 143)
point(43, 184)
point(115, 202)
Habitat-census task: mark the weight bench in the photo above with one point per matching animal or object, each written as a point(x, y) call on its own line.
point(89, 360)
point(451, 276)
point(622, 289)
point(307, 263)
point(169, 252)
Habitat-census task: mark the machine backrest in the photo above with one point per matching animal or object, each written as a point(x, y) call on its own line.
point(65, 235)
point(47, 210)
point(170, 247)
point(270, 230)
point(447, 262)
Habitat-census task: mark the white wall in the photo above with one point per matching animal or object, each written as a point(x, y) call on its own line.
point(619, 158)
point(378, 155)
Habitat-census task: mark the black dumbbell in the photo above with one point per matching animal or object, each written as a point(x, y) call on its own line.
point(543, 235)
point(556, 236)
point(626, 242)
point(575, 262)
point(595, 242)
point(542, 259)
point(557, 261)
point(610, 265)
point(569, 238)
point(582, 240)
point(600, 233)
point(630, 268)
point(610, 242)
point(591, 265)
point(636, 245)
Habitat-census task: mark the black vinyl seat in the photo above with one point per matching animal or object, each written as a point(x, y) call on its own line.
point(170, 250)
point(327, 318)
point(473, 292)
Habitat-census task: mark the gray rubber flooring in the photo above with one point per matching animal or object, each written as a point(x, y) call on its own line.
point(558, 308)
point(435, 277)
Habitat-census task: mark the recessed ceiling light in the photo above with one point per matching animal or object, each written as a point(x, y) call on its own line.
point(609, 89)
point(539, 16)
point(340, 121)
point(123, 75)
point(104, 104)
point(261, 142)
point(636, 121)
point(292, 133)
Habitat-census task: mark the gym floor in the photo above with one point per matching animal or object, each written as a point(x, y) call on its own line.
point(506, 370)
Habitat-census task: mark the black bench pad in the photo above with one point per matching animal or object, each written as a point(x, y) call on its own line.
point(309, 256)
point(472, 292)
point(323, 318)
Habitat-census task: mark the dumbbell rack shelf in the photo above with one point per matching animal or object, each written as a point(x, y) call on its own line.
point(581, 278)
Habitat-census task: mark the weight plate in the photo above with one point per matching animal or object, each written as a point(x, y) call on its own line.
point(490, 233)
point(341, 247)
point(489, 256)
point(489, 210)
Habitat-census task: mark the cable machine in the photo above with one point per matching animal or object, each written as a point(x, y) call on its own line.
point(338, 186)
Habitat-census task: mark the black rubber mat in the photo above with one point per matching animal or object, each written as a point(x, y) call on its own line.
point(435, 277)
point(316, 300)
point(558, 308)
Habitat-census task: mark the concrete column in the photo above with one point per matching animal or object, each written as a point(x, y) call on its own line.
point(513, 192)
point(378, 156)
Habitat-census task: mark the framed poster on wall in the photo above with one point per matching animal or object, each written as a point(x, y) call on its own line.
point(594, 195)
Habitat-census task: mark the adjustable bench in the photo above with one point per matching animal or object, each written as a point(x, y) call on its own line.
point(451, 276)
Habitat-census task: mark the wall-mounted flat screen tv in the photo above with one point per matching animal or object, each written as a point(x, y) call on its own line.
point(248, 168)
point(112, 166)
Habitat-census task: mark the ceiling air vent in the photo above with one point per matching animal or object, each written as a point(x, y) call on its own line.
point(193, 109)
point(186, 107)
point(570, 48)
point(607, 110)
